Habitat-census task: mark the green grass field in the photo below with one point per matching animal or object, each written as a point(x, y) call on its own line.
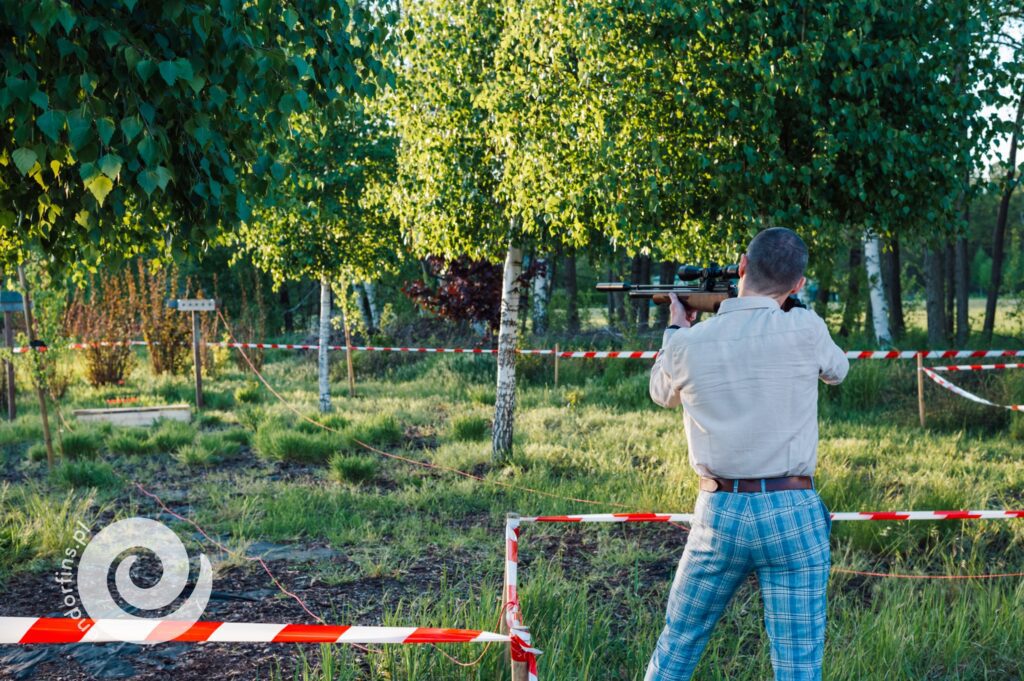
point(430, 544)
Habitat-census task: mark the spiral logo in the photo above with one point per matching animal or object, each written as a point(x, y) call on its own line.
point(134, 535)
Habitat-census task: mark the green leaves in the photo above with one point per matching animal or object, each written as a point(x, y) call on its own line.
point(110, 165)
point(24, 160)
point(99, 186)
point(131, 126)
point(79, 129)
point(148, 129)
point(51, 123)
point(169, 72)
point(148, 150)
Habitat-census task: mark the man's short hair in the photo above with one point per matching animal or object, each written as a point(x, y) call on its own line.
point(776, 259)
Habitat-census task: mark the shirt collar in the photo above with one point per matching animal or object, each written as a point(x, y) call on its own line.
point(747, 303)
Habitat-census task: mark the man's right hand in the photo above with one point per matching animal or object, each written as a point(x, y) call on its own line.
point(679, 314)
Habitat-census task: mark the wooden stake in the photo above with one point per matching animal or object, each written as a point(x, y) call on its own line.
point(920, 387)
point(12, 408)
point(30, 326)
point(556, 365)
point(197, 359)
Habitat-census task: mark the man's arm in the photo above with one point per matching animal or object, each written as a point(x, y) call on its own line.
point(661, 388)
point(662, 391)
point(832, 362)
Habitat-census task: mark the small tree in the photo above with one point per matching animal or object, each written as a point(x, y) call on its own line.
point(104, 313)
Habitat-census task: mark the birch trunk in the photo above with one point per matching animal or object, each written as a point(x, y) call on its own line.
point(325, 339)
point(364, 307)
point(370, 289)
point(879, 307)
point(541, 291)
point(505, 397)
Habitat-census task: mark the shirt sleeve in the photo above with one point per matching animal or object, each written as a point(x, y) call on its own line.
point(662, 391)
point(832, 362)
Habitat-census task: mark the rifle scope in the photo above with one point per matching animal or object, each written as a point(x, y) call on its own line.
point(712, 272)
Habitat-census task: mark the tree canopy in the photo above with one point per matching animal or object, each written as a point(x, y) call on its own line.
point(135, 126)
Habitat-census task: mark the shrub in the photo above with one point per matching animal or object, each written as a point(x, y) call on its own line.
point(129, 441)
point(169, 436)
point(37, 452)
point(82, 474)
point(195, 455)
point(468, 428)
point(168, 331)
point(332, 421)
point(20, 430)
point(107, 314)
point(284, 444)
point(81, 444)
point(377, 430)
point(221, 445)
point(251, 417)
point(237, 435)
point(221, 400)
point(354, 469)
point(249, 393)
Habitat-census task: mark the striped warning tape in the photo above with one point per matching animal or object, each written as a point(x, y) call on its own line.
point(1001, 514)
point(521, 650)
point(977, 367)
point(67, 630)
point(579, 354)
point(969, 395)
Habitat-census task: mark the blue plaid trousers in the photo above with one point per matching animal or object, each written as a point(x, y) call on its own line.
point(783, 536)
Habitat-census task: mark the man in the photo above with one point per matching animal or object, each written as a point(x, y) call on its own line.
point(747, 380)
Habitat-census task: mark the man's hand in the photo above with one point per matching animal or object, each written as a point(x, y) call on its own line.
point(679, 314)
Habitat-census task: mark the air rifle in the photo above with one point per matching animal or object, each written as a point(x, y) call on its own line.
point(714, 284)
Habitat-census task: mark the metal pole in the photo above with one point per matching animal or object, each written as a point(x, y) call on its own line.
point(12, 408)
point(920, 387)
point(520, 667)
point(29, 326)
point(556, 364)
point(197, 359)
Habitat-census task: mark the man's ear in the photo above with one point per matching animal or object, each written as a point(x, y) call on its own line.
point(743, 265)
point(799, 285)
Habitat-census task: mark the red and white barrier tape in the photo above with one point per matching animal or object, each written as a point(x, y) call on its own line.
point(969, 395)
point(931, 354)
point(1001, 514)
point(521, 642)
point(580, 354)
point(976, 367)
point(67, 630)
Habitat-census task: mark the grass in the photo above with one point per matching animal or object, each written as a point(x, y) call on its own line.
point(355, 469)
point(429, 545)
point(81, 444)
point(85, 475)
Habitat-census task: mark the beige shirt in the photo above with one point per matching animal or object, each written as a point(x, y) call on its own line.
point(748, 382)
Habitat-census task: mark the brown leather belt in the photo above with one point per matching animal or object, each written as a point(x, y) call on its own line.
point(754, 485)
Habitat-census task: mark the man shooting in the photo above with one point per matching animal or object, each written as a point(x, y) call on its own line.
point(747, 380)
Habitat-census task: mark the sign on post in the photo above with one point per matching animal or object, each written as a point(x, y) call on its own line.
point(195, 306)
point(10, 302)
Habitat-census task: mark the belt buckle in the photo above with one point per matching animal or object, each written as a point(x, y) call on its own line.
point(708, 485)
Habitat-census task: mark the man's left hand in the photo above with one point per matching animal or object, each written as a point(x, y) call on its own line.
point(679, 313)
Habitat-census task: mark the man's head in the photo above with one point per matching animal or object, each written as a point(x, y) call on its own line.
point(774, 263)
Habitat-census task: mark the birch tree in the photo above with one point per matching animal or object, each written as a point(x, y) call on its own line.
point(133, 127)
point(321, 220)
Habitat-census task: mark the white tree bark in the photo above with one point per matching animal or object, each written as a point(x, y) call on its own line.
point(879, 307)
point(371, 298)
point(505, 400)
point(541, 295)
point(325, 339)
